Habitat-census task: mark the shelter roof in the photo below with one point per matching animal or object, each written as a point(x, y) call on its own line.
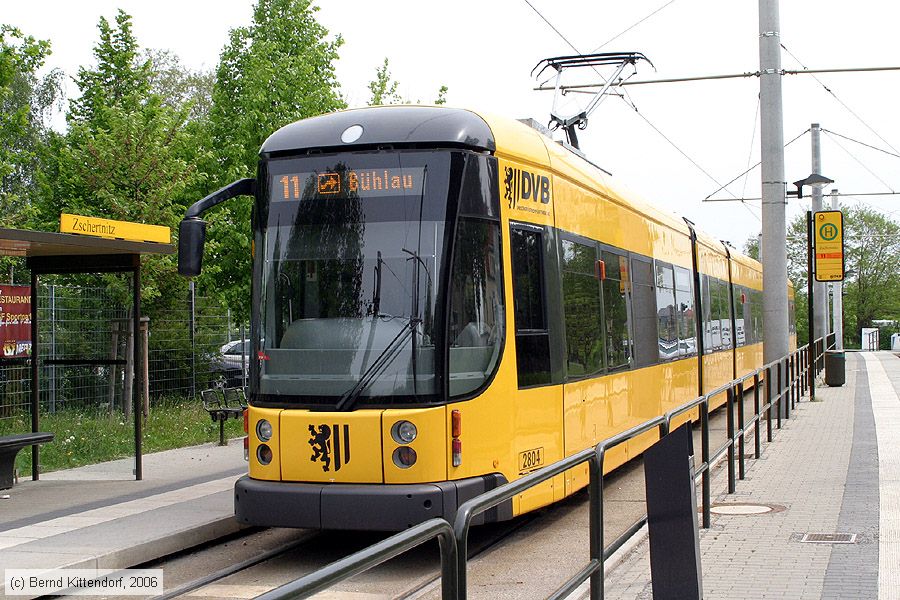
point(23, 242)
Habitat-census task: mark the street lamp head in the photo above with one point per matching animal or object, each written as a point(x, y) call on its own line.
point(815, 180)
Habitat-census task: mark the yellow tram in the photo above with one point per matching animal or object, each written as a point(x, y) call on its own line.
point(445, 301)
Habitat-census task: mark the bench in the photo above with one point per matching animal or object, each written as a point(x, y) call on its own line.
point(9, 448)
point(222, 405)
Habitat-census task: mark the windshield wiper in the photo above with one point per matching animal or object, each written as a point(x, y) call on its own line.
point(387, 356)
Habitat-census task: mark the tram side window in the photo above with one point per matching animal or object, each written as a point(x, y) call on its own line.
point(532, 335)
point(715, 313)
point(724, 303)
point(684, 305)
point(792, 317)
point(583, 313)
point(740, 321)
point(749, 332)
point(706, 315)
point(646, 345)
point(667, 320)
point(476, 305)
point(615, 309)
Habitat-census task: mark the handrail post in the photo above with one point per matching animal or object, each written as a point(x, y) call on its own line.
point(756, 440)
point(704, 450)
point(730, 432)
point(811, 371)
point(449, 566)
point(786, 390)
point(461, 531)
point(740, 405)
point(595, 496)
point(793, 380)
point(778, 393)
point(769, 403)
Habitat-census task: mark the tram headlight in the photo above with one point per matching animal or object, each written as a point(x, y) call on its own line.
point(263, 430)
point(404, 432)
point(405, 457)
point(263, 454)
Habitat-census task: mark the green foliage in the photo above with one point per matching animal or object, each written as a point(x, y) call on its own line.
point(179, 87)
point(25, 101)
point(275, 71)
point(128, 153)
point(119, 79)
point(384, 91)
point(872, 259)
point(442, 96)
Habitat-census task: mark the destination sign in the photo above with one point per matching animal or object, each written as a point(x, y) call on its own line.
point(348, 183)
point(828, 228)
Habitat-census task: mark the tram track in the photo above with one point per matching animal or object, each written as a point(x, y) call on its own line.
point(278, 565)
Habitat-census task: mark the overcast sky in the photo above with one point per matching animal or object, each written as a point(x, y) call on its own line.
point(484, 52)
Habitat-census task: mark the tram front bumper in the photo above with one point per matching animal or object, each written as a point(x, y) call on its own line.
point(368, 507)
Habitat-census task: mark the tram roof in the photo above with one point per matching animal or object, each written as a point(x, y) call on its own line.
point(384, 125)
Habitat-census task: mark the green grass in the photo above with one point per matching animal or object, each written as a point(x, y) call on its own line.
point(86, 437)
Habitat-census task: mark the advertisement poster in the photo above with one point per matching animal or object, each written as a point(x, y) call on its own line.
point(15, 321)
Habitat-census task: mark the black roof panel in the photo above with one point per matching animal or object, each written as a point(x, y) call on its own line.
point(401, 125)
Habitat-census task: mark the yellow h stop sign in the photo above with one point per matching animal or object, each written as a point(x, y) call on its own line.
point(828, 228)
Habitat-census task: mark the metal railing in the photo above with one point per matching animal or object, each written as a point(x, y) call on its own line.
point(782, 383)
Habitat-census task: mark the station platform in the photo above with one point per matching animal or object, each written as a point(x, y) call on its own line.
point(831, 471)
point(818, 515)
point(99, 517)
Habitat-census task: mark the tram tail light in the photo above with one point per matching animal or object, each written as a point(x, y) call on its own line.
point(457, 452)
point(456, 432)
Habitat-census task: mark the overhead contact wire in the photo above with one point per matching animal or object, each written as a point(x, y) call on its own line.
point(841, 102)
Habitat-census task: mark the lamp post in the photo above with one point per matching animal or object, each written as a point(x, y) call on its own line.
point(814, 180)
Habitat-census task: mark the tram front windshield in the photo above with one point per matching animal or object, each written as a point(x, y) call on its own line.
point(350, 262)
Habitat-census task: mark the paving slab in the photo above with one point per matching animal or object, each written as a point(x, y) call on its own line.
point(92, 517)
point(824, 473)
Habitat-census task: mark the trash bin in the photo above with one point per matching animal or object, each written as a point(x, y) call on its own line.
point(834, 368)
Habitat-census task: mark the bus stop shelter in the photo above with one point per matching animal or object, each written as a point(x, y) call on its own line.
point(49, 253)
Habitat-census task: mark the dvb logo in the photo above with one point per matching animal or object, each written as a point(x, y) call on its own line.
point(520, 185)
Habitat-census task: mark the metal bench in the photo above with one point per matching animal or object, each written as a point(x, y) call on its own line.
point(222, 405)
point(9, 448)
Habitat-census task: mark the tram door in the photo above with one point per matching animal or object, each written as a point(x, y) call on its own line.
point(537, 407)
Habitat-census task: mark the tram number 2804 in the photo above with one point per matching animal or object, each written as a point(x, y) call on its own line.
point(529, 460)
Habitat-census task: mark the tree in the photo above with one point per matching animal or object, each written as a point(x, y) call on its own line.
point(872, 261)
point(120, 78)
point(127, 154)
point(277, 70)
point(179, 87)
point(384, 91)
point(25, 104)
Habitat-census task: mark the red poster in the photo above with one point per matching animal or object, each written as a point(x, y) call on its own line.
point(15, 320)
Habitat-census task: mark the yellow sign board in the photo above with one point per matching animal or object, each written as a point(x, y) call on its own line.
point(828, 232)
point(107, 228)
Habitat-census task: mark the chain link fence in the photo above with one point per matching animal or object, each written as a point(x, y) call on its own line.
point(86, 345)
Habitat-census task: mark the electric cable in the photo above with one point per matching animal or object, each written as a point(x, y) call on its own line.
point(621, 33)
point(750, 169)
point(860, 163)
point(850, 139)
point(752, 144)
point(841, 102)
